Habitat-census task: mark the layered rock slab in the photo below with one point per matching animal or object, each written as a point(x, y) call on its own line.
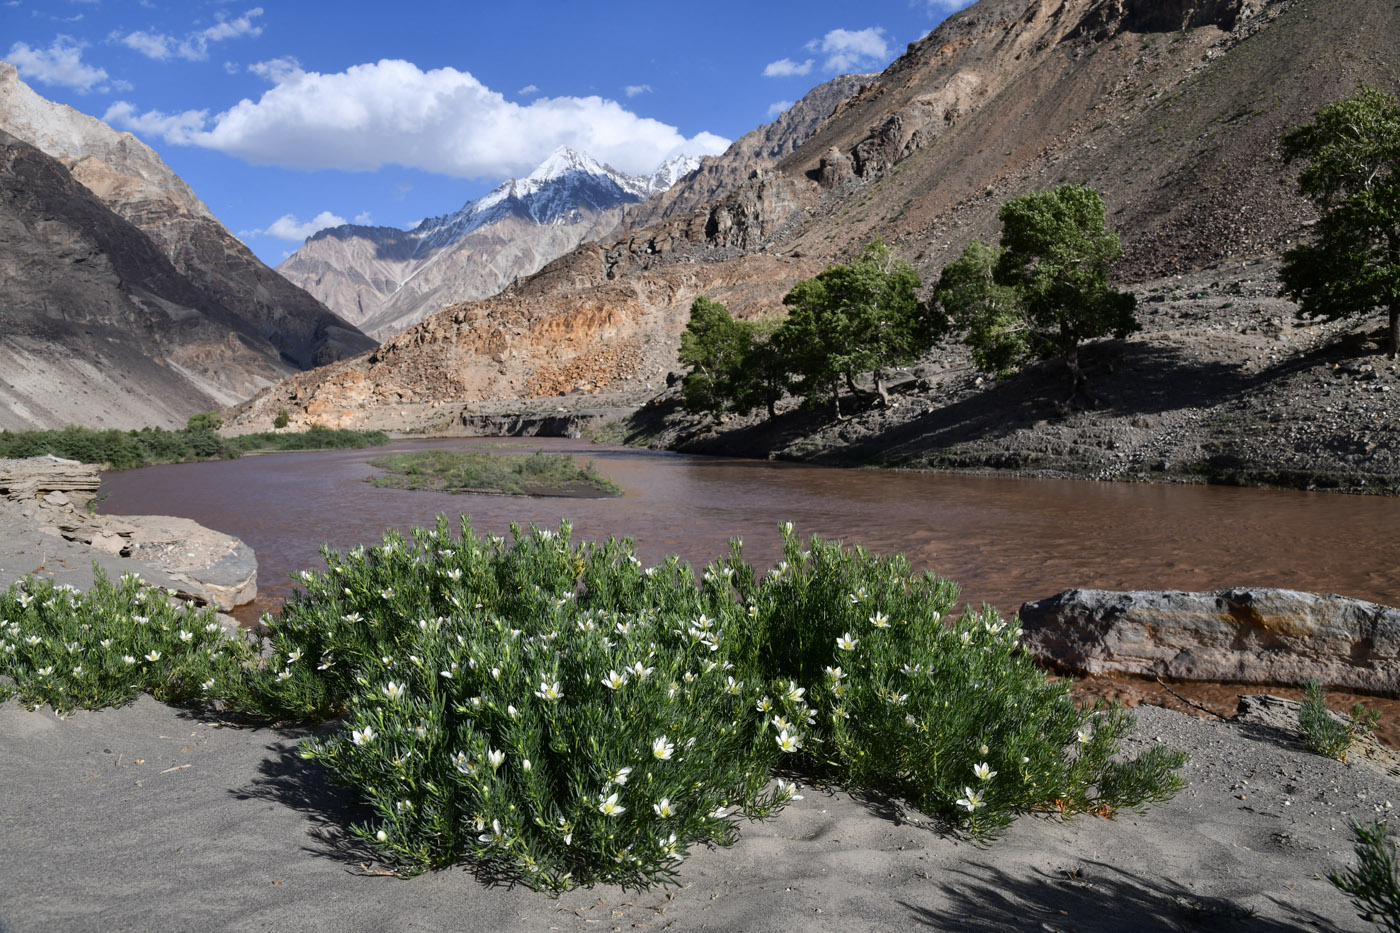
point(1260, 635)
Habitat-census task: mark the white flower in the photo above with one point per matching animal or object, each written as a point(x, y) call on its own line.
point(393, 690)
point(463, 764)
point(965, 638)
point(984, 771)
point(495, 837)
point(642, 672)
point(382, 836)
point(352, 617)
point(620, 777)
point(1083, 734)
point(403, 806)
point(972, 801)
point(662, 749)
point(387, 593)
point(32, 640)
point(614, 680)
point(128, 659)
point(719, 813)
point(764, 705)
point(983, 748)
point(207, 685)
point(788, 790)
point(454, 574)
point(734, 686)
point(294, 655)
point(140, 620)
point(363, 736)
point(284, 675)
point(153, 656)
point(608, 806)
point(496, 758)
point(663, 808)
point(511, 711)
point(451, 671)
point(549, 691)
point(846, 642)
point(186, 636)
point(45, 671)
point(880, 620)
point(526, 766)
point(788, 742)
point(794, 693)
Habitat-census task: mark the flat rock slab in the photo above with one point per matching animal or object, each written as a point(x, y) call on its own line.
point(1262, 635)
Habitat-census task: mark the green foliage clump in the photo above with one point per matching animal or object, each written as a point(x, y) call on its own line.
point(125, 450)
point(1325, 734)
point(547, 711)
point(73, 650)
point(955, 718)
point(283, 418)
point(480, 471)
point(1045, 290)
point(1352, 264)
point(1374, 884)
point(209, 421)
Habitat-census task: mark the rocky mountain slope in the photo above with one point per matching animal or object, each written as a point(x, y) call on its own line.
point(385, 279)
point(1172, 110)
point(132, 180)
point(97, 326)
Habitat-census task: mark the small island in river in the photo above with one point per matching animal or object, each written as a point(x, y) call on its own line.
point(537, 474)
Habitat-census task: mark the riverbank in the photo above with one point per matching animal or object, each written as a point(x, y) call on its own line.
point(1223, 384)
point(146, 817)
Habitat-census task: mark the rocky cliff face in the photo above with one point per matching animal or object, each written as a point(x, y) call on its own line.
point(385, 280)
point(97, 326)
point(132, 180)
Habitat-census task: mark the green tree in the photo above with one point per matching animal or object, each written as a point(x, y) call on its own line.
point(852, 319)
point(1352, 265)
point(991, 315)
point(716, 349)
point(767, 367)
point(1048, 289)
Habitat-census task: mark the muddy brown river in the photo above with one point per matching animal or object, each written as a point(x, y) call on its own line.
point(1004, 540)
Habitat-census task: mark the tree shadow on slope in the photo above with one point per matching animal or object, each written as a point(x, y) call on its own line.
point(1130, 379)
point(1092, 896)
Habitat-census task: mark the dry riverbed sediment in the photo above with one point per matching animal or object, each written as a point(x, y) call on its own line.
point(149, 818)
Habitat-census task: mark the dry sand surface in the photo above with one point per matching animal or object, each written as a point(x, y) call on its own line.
point(147, 818)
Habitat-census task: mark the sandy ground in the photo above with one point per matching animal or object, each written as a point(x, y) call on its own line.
point(147, 818)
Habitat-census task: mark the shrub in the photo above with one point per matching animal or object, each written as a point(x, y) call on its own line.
point(1325, 734)
point(1374, 884)
point(283, 418)
point(955, 718)
point(547, 711)
point(205, 421)
point(69, 649)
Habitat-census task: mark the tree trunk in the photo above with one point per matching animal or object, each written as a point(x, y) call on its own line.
point(1078, 381)
point(772, 408)
point(851, 383)
point(880, 389)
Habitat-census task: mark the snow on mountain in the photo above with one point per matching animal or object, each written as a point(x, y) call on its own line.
point(388, 278)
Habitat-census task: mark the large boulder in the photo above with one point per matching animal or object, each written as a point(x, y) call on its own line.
point(1263, 636)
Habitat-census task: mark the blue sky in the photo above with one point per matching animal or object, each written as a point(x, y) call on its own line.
point(288, 116)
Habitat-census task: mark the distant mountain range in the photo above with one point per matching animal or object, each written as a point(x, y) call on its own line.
point(123, 301)
point(385, 279)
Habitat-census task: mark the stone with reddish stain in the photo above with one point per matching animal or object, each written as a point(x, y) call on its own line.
point(1260, 635)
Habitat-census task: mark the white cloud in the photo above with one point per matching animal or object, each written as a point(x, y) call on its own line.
point(786, 67)
point(848, 50)
point(528, 89)
point(182, 128)
point(632, 90)
point(778, 107)
point(443, 121)
point(195, 46)
point(61, 64)
point(363, 219)
point(276, 69)
point(287, 227)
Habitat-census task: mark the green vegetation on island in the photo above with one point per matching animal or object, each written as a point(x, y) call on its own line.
point(537, 474)
point(558, 714)
point(125, 450)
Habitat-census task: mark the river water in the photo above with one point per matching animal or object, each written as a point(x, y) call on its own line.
point(1004, 540)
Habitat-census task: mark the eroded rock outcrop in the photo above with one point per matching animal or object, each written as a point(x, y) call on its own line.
point(48, 498)
point(1265, 636)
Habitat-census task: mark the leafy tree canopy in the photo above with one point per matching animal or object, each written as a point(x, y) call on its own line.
point(1352, 265)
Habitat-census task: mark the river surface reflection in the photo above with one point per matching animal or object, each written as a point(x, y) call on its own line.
point(1004, 540)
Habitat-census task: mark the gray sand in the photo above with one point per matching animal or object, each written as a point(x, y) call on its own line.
point(146, 818)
